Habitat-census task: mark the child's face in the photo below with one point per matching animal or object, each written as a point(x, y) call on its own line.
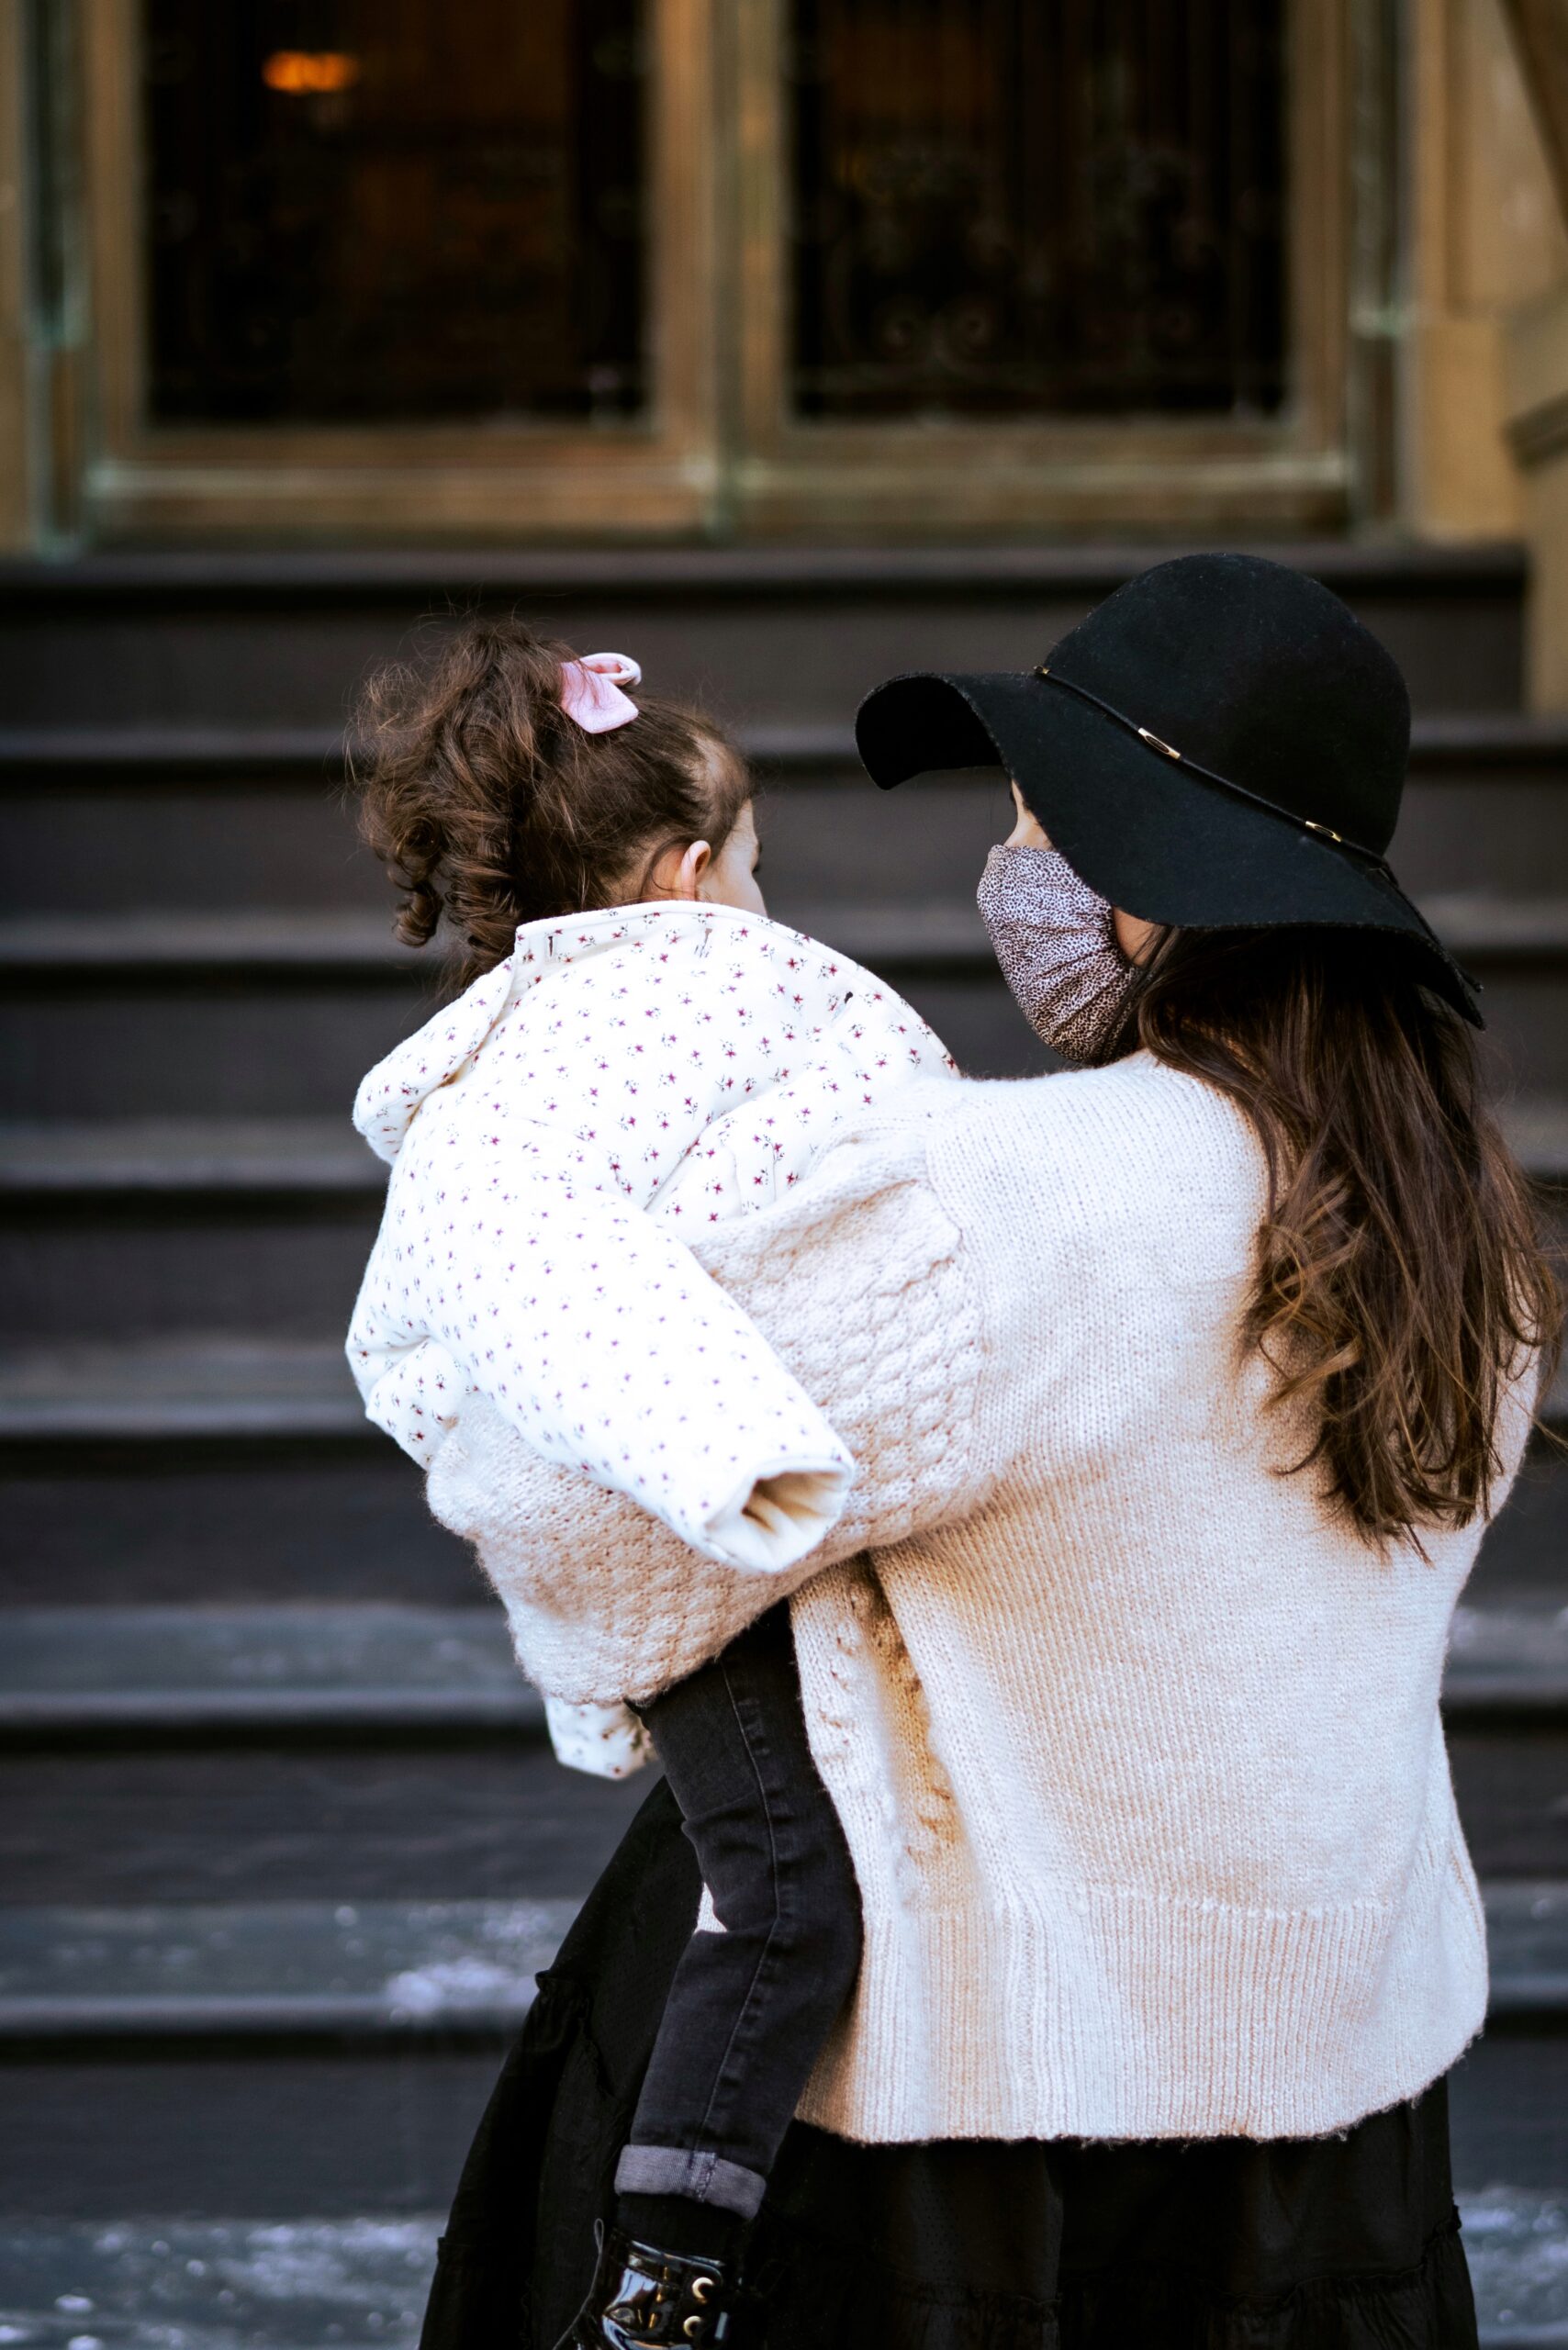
point(729, 879)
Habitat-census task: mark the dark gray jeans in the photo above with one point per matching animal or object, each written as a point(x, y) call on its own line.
point(749, 2007)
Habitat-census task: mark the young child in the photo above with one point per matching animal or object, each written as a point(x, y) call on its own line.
point(639, 1050)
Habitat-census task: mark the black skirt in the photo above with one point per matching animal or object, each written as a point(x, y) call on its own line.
point(1339, 2244)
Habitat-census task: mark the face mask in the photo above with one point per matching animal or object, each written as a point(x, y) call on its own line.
point(1056, 942)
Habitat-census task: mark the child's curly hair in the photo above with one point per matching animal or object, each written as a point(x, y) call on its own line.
point(490, 807)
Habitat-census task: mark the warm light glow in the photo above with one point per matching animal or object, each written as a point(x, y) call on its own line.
point(309, 72)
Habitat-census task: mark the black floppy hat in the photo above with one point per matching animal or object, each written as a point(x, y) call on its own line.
point(1220, 744)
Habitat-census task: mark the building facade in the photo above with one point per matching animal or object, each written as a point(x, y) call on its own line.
point(755, 269)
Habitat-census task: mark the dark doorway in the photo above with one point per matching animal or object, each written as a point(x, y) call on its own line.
point(1011, 207)
point(373, 211)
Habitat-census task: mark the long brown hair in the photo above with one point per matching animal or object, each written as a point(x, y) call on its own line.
point(1400, 1279)
point(490, 807)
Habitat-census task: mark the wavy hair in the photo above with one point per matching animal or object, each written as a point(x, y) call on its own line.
point(1402, 1283)
point(490, 807)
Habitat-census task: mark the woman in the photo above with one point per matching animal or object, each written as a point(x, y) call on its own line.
point(1183, 1389)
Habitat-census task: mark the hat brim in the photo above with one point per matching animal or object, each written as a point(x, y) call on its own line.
point(1153, 836)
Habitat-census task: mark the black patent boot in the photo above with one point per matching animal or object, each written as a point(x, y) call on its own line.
point(640, 2294)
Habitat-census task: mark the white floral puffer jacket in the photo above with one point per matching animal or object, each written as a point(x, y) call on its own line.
point(622, 1078)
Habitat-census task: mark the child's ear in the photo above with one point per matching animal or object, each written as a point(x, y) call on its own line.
point(680, 873)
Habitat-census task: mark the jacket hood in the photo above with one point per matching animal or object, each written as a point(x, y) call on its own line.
point(390, 1096)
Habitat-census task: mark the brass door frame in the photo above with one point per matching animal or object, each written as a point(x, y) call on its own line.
point(720, 455)
point(518, 481)
point(1061, 472)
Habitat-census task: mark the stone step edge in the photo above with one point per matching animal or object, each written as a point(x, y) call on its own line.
point(195, 1389)
point(435, 1970)
point(390, 1711)
point(163, 2282)
point(137, 754)
point(45, 1163)
point(408, 1971)
point(143, 579)
point(85, 1672)
point(88, 1673)
point(355, 947)
point(181, 2284)
point(120, 1159)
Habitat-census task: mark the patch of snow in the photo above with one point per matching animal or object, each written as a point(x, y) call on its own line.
point(1516, 2243)
point(467, 1981)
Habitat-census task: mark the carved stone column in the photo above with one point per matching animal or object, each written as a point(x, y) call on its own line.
point(1536, 368)
point(1540, 34)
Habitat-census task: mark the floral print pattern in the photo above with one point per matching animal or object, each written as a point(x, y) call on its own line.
point(623, 1079)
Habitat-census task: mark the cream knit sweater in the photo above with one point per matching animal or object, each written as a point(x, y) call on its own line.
point(1136, 1743)
point(624, 1078)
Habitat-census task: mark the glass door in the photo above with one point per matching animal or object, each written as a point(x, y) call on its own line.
point(1027, 207)
point(379, 212)
point(1014, 263)
point(401, 265)
point(643, 268)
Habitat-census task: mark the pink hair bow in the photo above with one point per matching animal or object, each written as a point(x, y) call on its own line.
point(590, 690)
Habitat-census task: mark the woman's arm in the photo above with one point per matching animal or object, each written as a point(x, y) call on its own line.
point(860, 1282)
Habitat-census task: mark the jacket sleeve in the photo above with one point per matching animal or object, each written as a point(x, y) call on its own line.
point(604, 1345)
point(861, 1283)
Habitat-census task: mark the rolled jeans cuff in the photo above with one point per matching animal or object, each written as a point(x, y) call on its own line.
point(703, 2177)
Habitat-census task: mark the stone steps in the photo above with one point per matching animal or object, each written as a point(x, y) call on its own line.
point(198, 1469)
point(299, 1970)
point(282, 1839)
point(87, 950)
point(407, 1972)
point(258, 1013)
point(404, 1732)
point(108, 819)
point(181, 1390)
point(788, 636)
point(360, 2284)
point(121, 1160)
point(280, 2057)
point(54, 1161)
point(192, 1385)
point(352, 2284)
point(1503, 1659)
point(86, 1674)
point(345, 1813)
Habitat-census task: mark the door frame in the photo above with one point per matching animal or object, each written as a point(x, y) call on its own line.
point(1147, 473)
point(719, 456)
point(517, 481)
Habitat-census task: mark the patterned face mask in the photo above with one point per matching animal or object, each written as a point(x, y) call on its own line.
point(1056, 942)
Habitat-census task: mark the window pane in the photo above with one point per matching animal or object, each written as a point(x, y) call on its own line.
point(1006, 207)
point(365, 210)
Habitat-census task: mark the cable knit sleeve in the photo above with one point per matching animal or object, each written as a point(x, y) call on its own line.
point(860, 1282)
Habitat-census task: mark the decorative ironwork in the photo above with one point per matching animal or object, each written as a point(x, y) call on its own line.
point(1011, 207)
point(368, 211)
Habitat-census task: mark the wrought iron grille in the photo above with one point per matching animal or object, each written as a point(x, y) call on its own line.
point(370, 211)
point(1007, 207)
